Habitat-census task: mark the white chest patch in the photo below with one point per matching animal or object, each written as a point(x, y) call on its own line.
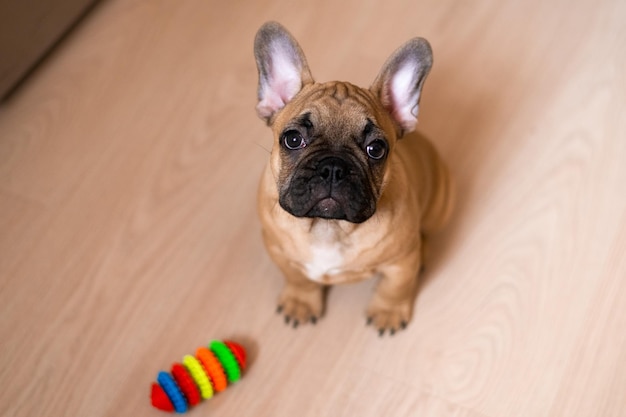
point(326, 259)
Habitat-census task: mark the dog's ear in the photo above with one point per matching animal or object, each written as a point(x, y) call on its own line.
point(400, 81)
point(282, 66)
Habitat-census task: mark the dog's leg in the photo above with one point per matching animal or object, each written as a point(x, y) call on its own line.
point(301, 300)
point(391, 306)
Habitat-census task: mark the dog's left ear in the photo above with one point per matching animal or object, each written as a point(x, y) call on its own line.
point(282, 66)
point(400, 81)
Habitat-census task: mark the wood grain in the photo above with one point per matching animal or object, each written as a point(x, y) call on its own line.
point(128, 234)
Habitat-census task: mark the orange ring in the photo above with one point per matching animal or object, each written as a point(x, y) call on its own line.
point(213, 368)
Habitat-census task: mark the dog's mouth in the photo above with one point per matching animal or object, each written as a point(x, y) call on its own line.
point(328, 205)
point(331, 208)
point(327, 208)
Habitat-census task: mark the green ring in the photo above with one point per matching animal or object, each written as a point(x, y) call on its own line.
point(227, 359)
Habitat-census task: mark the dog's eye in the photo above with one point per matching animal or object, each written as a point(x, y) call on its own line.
point(376, 149)
point(293, 140)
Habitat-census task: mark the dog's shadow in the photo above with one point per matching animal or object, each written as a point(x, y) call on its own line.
point(458, 117)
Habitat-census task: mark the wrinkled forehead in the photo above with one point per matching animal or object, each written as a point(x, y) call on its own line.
point(337, 106)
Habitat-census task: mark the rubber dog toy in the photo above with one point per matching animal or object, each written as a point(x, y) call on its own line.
point(199, 377)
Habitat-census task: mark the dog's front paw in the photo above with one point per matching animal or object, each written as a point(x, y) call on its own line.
point(300, 306)
point(387, 318)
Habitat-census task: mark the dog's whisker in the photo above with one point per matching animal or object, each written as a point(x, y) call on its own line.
point(269, 151)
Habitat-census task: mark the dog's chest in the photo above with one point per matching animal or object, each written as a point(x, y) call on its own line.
point(330, 254)
point(326, 258)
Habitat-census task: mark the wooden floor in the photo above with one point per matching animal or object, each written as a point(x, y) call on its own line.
point(128, 234)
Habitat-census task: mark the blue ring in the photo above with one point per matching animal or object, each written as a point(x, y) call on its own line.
point(174, 393)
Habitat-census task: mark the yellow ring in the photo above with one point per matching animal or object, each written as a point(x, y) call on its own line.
point(198, 375)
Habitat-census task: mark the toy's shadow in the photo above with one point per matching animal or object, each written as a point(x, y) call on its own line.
point(251, 347)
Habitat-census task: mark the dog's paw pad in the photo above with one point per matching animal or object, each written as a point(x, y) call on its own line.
point(387, 321)
point(298, 311)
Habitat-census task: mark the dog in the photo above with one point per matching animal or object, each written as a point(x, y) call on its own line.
point(350, 189)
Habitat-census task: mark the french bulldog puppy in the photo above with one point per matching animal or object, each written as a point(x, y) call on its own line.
point(350, 190)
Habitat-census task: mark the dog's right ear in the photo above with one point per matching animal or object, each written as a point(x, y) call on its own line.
point(283, 69)
point(399, 83)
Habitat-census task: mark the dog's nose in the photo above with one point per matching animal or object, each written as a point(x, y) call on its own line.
point(332, 169)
